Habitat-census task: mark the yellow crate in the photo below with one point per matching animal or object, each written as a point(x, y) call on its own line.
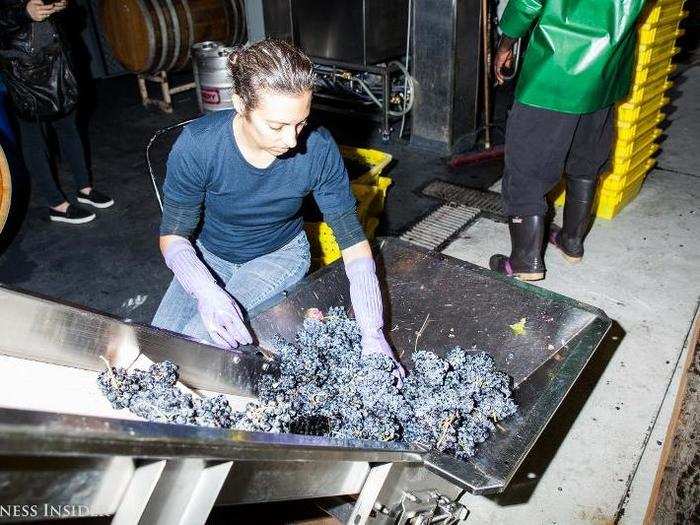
point(653, 72)
point(608, 206)
point(628, 131)
point(609, 202)
point(371, 199)
point(617, 181)
point(324, 247)
point(322, 241)
point(662, 11)
point(652, 100)
point(632, 148)
point(647, 55)
point(659, 34)
point(370, 189)
point(626, 164)
point(647, 113)
point(375, 160)
point(672, 16)
point(374, 195)
point(648, 92)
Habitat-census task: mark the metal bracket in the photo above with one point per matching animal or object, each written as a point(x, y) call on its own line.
point(368, 496)
point(172, 492)
point(425, 508)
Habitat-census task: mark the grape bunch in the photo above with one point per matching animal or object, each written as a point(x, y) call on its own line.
point(322, 385)
point(153, 395)
point(326, 387)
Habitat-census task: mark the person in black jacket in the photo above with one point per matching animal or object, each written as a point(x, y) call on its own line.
point(36, 68)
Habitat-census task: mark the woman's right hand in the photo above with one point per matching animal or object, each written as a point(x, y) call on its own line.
point(222, 317)
point(220, 313)
point(38, 11)
point(504, 58)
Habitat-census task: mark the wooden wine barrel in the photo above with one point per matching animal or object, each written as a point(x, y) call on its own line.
point(5, 189)
point(148, 36)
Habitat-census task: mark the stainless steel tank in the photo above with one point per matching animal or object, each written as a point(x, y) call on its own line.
point(211, 76)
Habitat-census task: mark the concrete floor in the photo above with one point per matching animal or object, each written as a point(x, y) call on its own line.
point(596, 461)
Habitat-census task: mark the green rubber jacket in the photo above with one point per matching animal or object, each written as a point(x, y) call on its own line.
point(580, 55)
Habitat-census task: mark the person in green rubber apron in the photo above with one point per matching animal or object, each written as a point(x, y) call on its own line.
point(578, 63)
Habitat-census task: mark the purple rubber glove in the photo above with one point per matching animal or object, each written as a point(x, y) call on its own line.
point(366, 298)
point(219, 312)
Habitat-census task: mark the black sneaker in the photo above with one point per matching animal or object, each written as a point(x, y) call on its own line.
point(96, 199)
point(73, 214)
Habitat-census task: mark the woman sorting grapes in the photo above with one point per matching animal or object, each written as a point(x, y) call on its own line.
point(245, 173)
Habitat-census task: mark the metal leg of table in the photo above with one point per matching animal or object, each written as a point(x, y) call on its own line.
point(370, 491)
point(386, 84)
point(172, 492)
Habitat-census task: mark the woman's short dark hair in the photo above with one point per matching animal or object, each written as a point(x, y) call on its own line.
point(270, 64)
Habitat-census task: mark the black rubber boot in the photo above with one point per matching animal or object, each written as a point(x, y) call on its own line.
point(580, 195)
point(525, 261)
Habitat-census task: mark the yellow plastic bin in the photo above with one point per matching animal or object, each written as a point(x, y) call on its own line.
point(632, 148)
point(324, 247)
point(321, 239)
point(671, 16)
point(649, 92)
point(648, 56)
point(370, 190)
point(609, 202)
point(618, 181)
point(659, 34)
point(374, 194)
point(654, 101)
point(653, 72)
point(663, 11)
point(623, 165)
point(628, 131)
point(629, 113)
point(375, 160)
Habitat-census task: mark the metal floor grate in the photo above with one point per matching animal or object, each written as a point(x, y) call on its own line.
point(489, 202)
point(440, 226)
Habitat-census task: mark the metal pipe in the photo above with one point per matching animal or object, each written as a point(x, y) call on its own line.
point(486, 34)
point(405, 80)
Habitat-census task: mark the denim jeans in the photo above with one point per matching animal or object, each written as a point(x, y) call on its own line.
point(250, 283)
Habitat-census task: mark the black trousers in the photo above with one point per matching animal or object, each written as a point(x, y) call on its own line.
point(37, 157)
point(541, 145)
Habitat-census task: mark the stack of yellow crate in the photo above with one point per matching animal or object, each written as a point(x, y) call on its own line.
point(370, 191)
point(638, 117)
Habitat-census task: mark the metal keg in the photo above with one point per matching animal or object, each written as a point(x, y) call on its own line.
point(211, 76)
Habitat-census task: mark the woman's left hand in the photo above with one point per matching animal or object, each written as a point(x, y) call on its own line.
point(366, 298)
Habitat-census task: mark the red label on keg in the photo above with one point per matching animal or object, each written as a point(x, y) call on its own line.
point(210, 96)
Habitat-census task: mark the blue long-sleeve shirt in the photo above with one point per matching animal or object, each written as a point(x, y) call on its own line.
point(248, 211)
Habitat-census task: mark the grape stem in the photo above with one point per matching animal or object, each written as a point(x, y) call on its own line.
point(445, 427)
point(419, 333)
point(113, 379)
